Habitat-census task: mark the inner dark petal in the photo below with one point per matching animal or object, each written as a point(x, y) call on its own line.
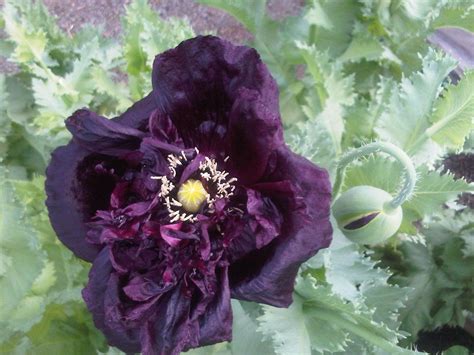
point(359, 223)
point(96, 179)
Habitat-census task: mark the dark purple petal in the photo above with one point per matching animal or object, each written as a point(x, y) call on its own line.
point(127, 255)
point(254, 133)
point(66, 204)
point(172, 232)
point(101, 135)
point(73, 195)
point(267, 219)
point(101, 297)
point(141, 289)
point(223, 100)
point(168, 332)
point(191, 168)
point(267, 275)
point(216, 322)
point(163, 129)
point(162, 288)
point(138, 115)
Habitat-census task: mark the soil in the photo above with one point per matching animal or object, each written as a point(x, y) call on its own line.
point(73, 14)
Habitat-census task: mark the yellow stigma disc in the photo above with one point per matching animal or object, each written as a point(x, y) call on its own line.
point(192, 194)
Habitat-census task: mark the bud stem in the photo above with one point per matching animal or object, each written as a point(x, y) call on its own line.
point(410, 173)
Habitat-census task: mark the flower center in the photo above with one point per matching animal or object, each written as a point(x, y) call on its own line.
point(184, 200)
point(191, 195)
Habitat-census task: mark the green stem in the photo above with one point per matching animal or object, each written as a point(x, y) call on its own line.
point(410, 173)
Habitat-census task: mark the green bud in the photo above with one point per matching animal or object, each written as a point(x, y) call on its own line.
point(365, 216)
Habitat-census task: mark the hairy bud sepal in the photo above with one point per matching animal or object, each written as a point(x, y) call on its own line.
point(365, 216)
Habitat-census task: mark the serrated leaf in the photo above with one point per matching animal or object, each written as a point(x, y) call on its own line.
point(63, 330)
point(407, 115)
point(366, 46)
point(145, 36)
point(468, 237)
point(453, 118)
point(439, 274)
point(246, 338)
point(456, 14)
point(377, 171)
point(18, 245)
point(341, 316)
point(433, 189)
point(334, 21)
point(334, 90)
point(287, 328)
point(313, 141)
point(345, 301)
point(362, 116)
point(29, 27)
point(40, 272)
point(45, 280)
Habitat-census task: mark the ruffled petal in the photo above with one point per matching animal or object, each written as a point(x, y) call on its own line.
point(163, 129)
point(137, 116)
point(168, 332)
point(267, 220)
point(216, 322)
point(267, 275)
point(99, 134)
point(75, 191)
point(102, 299)
point(67, 210)
point(223, 100)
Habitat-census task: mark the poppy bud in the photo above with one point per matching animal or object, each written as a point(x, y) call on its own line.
point(365, 215)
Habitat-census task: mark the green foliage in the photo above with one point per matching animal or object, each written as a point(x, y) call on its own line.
point(406, 118)
point(432, 190)
point(40, 280)
point(41, 308)
point(439, 268)
point(146, 35)
point(453, 114)
point(349, 72)
point(341, 303)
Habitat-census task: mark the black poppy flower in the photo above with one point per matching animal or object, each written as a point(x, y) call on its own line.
point(189, 198)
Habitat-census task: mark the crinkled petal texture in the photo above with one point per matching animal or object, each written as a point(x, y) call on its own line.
point(162, 277)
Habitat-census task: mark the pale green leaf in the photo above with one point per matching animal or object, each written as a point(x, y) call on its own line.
point(334, 91)
point(246, 338)
point(145, 36)
point(433, 189)
point(438, 272)
point(334, 21)
point(19, 246)
point(468, 237)
point(362, 116)
point(45, 280)
point(313, 141)
point(407, 115)
point(453, 118)
point(457, 13)
point(287, 328)
point(377, 171)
